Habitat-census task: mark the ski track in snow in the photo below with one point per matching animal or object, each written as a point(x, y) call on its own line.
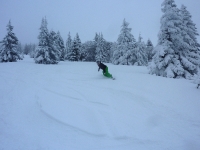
point(86, 107)
point(92, 104)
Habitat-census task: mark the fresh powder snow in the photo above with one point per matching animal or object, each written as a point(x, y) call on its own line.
point(73, 106)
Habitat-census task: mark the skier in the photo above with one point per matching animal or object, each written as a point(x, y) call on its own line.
point(105, 69)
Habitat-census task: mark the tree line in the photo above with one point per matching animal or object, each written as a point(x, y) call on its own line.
point(177, 53)
point(51, 48)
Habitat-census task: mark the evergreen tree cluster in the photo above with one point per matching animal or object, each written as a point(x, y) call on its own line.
point(177, 53)
point(73, 48)
point(29, 49)
point(128, 51)
point(102, 48)
point(50, 49)
point(98, 49)
point(89, 51)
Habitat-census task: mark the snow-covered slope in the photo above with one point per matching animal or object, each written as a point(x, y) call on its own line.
point(73, 106)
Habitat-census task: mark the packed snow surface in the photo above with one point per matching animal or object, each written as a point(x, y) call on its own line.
point(73, 106)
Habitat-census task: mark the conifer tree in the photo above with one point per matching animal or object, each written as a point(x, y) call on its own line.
point(68, 47)
point(177, 53)
point(26, 49)
point(8, 49)
point(46, 52)
point(89, 49)
point(74, 54)
point(42, 49)
point(75, 51)
point(78, 41)
point(166, 61)
point(96, 37)
point(125, 46)
point(189, 26)
point(101, 52)
point(189, 51)
point(54, 44)
point(141, 56)
point(149, 50)
point(83, 52)
point(113, 49)
point(19, 48)
point(107, 50)
point(61, 47)
point(32, 50)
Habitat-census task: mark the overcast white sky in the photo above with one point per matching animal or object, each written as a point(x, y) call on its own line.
point(86, 17)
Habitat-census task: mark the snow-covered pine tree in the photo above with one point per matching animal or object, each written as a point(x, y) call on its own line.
point(89, 49)
point(141, 55)
point(54, 44)
point(149, 50)
point(8, 49)
point(29, 49)
point(189, 50)
point(96, 37)
point(61, 47)
point(19, 48)
point(74, 56)
point(83, 52)
point(113, 48)
point(189, 25)
point(26, 49)
point(101, 52)
point(107, 49)
point(43, 43)
point(69, 44)
point(78, 41)
point(46, 52)
point(54, 53)
point(125, 46)
point(32, 50)
point(166, 61)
